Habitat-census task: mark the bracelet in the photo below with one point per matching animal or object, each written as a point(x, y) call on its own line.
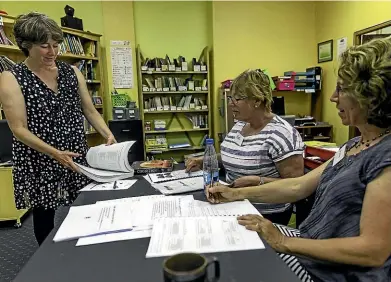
point(262, 181)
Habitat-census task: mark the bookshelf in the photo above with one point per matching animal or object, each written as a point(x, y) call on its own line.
point(80, 48)
point(175, 103)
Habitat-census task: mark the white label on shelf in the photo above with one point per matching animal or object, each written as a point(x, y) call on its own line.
point(144, 68)
point(192, 105)
point(198, 107)
point(166, 89)
point(159, 89)
point(204, 107)
point(145, 88)
point(171, 67)
point(173, 108)
point(119, 111)
point(164, 67)
point(152, 109)
point(184, 66)
point(203, 68)
point(317, 77)
point(182, 88)
point(198, 88)
point(152, 89)
point(197, 67)
point(166, 108)
point(309, 90)
point(158, 69)
point(178, 69)
point(146, 110)
point(179, 108)
point(172, 88)
point(204, 88)
point(196, 127)
point(185, 108)
point(159, 108)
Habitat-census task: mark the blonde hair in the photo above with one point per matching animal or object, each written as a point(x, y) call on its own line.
point(35, 28)
point(365, 74)
point(253, 84)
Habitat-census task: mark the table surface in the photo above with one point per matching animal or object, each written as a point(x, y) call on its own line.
point(125, 260)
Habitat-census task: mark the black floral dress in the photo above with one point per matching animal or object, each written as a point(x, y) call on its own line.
point(57, 119)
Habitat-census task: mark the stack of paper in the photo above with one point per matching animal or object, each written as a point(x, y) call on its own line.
point(92, 220)
point(200, 234)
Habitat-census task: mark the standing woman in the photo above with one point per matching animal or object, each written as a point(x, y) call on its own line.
point(44, 101)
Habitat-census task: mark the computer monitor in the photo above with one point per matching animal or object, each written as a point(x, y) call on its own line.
point(278, 106)
point(5, 141)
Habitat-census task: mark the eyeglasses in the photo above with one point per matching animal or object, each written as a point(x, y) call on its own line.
point(235, 100)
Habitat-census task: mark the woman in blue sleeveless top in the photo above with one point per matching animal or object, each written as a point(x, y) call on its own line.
point(347, 235)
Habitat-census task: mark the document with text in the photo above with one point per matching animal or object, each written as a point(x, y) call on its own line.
point(90, 220)
point(200, 234)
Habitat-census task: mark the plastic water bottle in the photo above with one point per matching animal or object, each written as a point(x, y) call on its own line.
point(210, 164)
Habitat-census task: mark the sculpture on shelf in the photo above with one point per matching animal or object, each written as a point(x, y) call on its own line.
point(69, 20)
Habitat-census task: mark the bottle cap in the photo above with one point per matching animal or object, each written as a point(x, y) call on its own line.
point(209, 141)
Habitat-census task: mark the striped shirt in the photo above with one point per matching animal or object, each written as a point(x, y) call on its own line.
point(257, 154)
point(336, 212)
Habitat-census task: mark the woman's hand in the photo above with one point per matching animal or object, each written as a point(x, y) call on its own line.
point(194, 164)
point(246, 181)
point(266, 230)
point(110, 139)
point(65, 158)
point(220, 194)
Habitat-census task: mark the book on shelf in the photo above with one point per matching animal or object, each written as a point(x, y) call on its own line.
point(108, 163)
point(174, 103)
point(4, 40)
point(6, 63)
point(169, 83)
point(177, 64)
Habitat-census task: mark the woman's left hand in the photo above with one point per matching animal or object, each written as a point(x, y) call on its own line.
point(111, 140)
point(266, 230)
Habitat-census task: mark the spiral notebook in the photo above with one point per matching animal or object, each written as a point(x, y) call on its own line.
point(173, 175)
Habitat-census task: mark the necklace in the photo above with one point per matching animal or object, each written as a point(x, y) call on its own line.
point(369, 141)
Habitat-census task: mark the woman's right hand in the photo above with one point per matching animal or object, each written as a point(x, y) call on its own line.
point(65, 158)
point(221, 194)
point(194, 164)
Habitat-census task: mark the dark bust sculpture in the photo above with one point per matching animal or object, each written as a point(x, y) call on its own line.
point(69, 20)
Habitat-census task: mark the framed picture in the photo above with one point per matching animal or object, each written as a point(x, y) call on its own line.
point(97, 100)
point(325, 51)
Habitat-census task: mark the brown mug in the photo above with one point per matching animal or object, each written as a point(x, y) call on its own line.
point(190, 267)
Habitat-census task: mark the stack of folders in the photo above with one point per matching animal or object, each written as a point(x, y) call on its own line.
point(213, 228)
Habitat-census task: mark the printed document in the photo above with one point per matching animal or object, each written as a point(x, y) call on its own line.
point(108, 163)
point(116, 185)
point(113, 237)
point(200, 234)
point(180, 186)
point(94, 219)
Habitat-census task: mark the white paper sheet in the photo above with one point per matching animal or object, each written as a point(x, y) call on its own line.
point(200, 234)
point(180, 186)
point(145, 212)
point(122, 64)
point(90, 220)
point(113, 237)
point(200, 208)
point(173, 175)
point(120, 185)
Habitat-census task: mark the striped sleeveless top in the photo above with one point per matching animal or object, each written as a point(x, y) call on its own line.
point(257, 154)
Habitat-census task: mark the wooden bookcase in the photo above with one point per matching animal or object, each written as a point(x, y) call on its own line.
point(79, 48)
point(161, 89)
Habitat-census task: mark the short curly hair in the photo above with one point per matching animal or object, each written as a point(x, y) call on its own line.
point(365, 74)
point(253, 84)
point(35, 28)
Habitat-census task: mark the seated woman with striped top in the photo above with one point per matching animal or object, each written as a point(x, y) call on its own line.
point(347, 235)
point(261, 147)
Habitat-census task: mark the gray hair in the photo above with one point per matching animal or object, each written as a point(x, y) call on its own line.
point(35, 28)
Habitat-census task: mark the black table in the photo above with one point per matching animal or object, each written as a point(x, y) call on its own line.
point(125, 260)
